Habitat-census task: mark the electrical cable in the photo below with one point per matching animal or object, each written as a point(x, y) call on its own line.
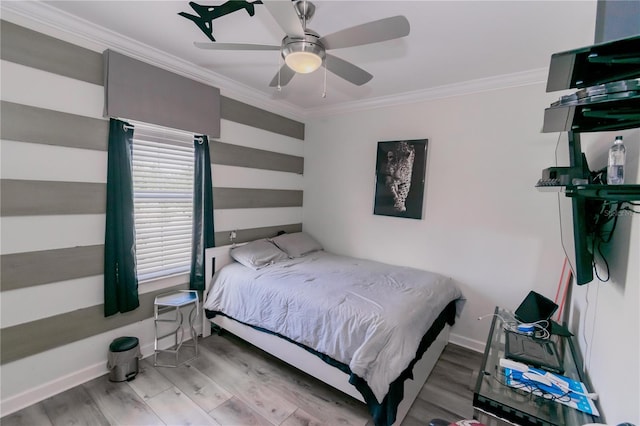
point(541, 327)
point(531, 389)
point(584, 324)
point(606, 266)
point(562, 238)
point(630, 209)
point(279, 87)
point(596, 226)
point(593, 330)
point(604, 237)
point(558, 145)
point(493, 315)
point(615, 216)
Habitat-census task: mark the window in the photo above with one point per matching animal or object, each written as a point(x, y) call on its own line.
point(163, 200)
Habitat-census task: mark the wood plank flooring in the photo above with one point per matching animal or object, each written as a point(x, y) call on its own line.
point(233, 383)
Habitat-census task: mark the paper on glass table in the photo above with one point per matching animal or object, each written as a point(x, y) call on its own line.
point(566, 391)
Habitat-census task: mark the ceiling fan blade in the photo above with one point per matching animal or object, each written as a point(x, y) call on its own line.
point(286, 74)
point(371, 32)
point(285, 15)
point(347, 70)
point(234, 46)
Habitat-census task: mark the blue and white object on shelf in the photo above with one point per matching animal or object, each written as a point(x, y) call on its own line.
point(567, 391)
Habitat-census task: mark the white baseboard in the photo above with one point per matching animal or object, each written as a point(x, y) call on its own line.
point(474, 345)
point(61, 384)
point(46, 390)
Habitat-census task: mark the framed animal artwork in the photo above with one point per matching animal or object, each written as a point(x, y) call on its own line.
point(400, 178)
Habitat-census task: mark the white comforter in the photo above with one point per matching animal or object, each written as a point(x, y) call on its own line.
point(367, 315)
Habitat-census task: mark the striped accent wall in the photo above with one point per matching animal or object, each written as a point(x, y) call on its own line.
point(53, 142)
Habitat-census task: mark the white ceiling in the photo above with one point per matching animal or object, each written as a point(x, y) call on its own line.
point(450, 42)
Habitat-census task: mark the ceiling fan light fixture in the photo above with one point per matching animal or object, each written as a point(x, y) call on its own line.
point(303, 62)
point(303, 55)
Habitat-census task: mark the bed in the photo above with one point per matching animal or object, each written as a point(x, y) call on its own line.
point(371, 330)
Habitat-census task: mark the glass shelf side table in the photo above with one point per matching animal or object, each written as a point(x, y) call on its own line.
point(168, 304)
point(495, 403)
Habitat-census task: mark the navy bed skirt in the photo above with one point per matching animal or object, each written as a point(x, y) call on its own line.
point(383, 413)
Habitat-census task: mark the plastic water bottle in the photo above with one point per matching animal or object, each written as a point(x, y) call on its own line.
point(615, 167)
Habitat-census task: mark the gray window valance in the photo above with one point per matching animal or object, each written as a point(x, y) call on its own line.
point(139, 91)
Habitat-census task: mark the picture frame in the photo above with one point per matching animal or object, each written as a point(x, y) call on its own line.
point(400, 178)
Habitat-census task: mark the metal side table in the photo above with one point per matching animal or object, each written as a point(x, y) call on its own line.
point(495, 403)
point(171, 303)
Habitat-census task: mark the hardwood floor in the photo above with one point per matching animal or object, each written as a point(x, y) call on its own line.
point(234, 383)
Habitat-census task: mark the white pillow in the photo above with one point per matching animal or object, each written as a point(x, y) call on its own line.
point(258, 254)
point(297, 244)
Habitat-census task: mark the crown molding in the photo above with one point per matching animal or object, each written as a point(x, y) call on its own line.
point(39, 13)
point(498, 82)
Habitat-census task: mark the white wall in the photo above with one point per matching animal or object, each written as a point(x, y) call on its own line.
point(484, 223)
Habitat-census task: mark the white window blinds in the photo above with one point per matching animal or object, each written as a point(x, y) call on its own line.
point(163, 200)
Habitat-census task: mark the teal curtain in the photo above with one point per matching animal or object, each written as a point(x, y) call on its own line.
point(120, 278)
point(203, 232)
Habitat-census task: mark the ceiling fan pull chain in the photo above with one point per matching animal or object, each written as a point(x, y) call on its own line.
point(324, 91)
point(279, 68)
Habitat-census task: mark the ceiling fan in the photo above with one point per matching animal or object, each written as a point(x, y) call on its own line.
point(304, 50)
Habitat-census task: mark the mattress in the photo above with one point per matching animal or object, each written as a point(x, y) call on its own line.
point(368, 315)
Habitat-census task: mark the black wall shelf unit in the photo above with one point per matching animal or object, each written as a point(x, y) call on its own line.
point(606, 115)
point(607, 77)
point(593, 65)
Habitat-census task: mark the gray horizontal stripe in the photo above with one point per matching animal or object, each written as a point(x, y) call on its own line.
point(33, 49)
point(240, 156)
point(244, 235)
point(21, 270)
point(242, 113)
point(242, 198)
point(25, 123)
point(33, 337)
point(35, 197)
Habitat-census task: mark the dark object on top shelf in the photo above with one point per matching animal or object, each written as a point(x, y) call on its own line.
point(608, 76)
point(618, 112)
point(560, 176)
point(571, 180)
point(623, 89)
point(535, 307)
point(596, 64)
